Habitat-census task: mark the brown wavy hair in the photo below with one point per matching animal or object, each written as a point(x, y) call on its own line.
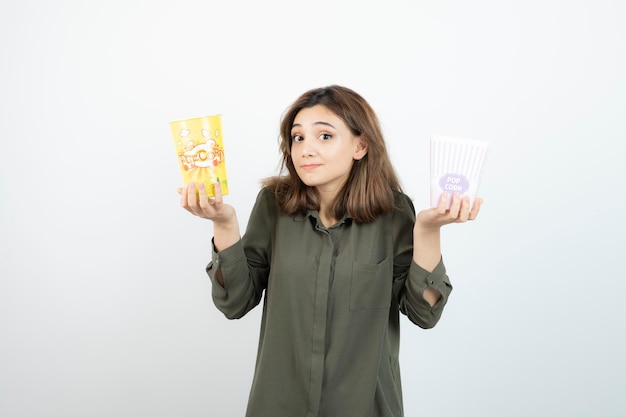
point(368, 192)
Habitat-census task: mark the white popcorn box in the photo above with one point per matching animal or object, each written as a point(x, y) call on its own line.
point(456, 164)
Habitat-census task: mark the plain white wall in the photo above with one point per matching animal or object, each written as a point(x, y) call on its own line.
point(105, 309)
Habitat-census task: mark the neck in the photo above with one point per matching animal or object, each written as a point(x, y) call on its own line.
point(327, 221)
point(327, 197)
point(327, 218)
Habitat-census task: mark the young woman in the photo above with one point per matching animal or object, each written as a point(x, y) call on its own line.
point(336, 252)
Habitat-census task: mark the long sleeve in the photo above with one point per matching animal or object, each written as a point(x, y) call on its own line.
point(245, 265)
point(413, 304)
point(410, 280)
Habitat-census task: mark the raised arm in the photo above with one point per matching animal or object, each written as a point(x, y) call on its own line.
point(225, 224)
point(427, 233)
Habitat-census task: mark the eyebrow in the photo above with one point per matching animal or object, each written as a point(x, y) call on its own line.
point(316, 123)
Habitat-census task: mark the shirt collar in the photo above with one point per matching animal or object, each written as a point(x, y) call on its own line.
point(314, 215)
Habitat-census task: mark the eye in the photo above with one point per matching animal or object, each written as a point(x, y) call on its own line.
point(326, 136)
point(296, 138)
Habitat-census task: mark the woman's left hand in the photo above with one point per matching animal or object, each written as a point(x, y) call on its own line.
point(459, 211)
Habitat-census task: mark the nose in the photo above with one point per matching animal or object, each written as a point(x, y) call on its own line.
point(307, 147)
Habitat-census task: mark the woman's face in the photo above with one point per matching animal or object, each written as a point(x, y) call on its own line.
point(323, 149)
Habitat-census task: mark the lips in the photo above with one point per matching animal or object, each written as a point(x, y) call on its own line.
point(309, 166)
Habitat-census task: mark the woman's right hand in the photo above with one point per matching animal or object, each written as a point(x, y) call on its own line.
point(202, 206)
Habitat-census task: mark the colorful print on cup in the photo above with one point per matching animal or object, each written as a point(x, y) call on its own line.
point(200, 150)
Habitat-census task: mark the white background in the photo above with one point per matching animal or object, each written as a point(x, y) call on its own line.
point(105, 309)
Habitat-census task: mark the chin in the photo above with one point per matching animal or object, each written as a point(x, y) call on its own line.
point(308, 183)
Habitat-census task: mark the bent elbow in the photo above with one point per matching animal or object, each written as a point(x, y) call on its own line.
point(423, 315)
point(234, 309)
point(234, 314)
point(426, 322)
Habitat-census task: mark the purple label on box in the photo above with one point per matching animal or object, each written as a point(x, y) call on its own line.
point(452, 183)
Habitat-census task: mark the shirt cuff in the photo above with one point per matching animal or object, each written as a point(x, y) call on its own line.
point(221, 259)
point(438, 279)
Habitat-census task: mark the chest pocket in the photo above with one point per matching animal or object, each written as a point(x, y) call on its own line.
point(371, 285)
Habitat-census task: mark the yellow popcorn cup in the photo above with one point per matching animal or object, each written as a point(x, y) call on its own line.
point(200, 151)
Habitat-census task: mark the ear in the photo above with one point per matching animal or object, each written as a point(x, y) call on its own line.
point(361, 148)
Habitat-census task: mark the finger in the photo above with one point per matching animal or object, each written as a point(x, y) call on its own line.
point(443, 203)
point(465, 209)
point(183, 196)
point(219, 196)
point(455, 207)
point(179, 190)
point(192, 198)
point(204, 201)
point(476, 208)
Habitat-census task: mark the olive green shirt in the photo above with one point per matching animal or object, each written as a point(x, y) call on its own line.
point(330, 329)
